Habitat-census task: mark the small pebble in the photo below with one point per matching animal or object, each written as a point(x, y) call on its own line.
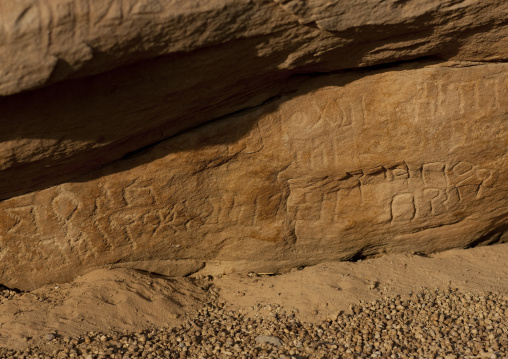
point(431, 324)
point(260, 339)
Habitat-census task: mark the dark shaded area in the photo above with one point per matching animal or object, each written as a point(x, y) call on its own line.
point(3, 287)
point(134, 100)
point(77, 126)
point(497, 235)
point(138, 109)
point(358, 256)
point(219, 131)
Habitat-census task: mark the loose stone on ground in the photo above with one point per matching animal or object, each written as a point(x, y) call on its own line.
point(429, 324)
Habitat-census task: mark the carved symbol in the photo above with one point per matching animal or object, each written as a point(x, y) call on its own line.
point(64, 206)
point(488, 93)
point(138, 226)
point(425, 105)
point(27, 16)
point(337, 115)
point(486, 177)
point(434, 202)
point(173, 219)
point(120, 223)
point(470, 180)
point(107, 11)
point(403, 207)
point(434, 175)
point(398, 172)
point(19, 18)
point(166, 225)
point(321, 199)
point(310, 208)
point(139, 196)
point(448, 99)
point(460, 172)
point(147, 7)
point(26, 221)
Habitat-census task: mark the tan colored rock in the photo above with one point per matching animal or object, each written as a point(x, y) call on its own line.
point(45, 42)
point(411, 158)
point(163, 66)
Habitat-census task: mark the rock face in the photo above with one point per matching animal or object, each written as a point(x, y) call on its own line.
point(140, 71)
point(354, 164)
point(46, 42)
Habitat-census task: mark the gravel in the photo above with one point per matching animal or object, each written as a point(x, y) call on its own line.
point(8, 294)
point(429, 324)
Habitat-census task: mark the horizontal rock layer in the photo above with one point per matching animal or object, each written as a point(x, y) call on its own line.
point(410, 158)
point(161, 66)
point(43, 42)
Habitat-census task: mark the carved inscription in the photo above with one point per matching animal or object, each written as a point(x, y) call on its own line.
point(307, 133)
point(131, 213)
point(316, 136)
point(403, 207)
point(339, 114)
point(25, 221)
point(61, 14)
point(108, 11)
point(147, 7)
point(333, 116)
point(20, 18)
point(141, 211)
point(329, 169)
point(409, 193)
point(441, 99)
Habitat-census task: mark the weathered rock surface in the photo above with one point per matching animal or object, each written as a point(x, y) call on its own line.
point(45, 42)
point(161, 66)
point(355, 164)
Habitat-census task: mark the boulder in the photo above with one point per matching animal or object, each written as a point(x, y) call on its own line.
point(85, 82)
point(408, 158)
point(47, 42)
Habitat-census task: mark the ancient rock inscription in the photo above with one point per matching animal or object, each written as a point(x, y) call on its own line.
point(333, 167)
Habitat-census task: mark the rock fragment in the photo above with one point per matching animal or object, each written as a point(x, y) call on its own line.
point(474, 325)
point(270, 339)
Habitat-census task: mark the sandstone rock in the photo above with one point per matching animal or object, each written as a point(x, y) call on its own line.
point(45, 42)
point(270, 339)
point(409, 158)
point(163, 66)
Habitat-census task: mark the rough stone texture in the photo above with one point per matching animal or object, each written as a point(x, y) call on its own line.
point(409, 158)
point(45, 42)
point(161, 66)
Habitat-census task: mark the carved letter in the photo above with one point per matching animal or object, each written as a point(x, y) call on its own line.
point(403, 207)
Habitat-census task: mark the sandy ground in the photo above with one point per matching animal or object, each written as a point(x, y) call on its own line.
point(128, 300)
point(323, 291)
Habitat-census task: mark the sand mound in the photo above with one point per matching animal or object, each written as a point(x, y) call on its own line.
point(105, 300)
point(129, 301)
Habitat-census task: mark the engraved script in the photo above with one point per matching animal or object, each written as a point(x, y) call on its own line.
point(325, 170)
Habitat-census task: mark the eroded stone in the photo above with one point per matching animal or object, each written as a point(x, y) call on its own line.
point(351, 165)
point(125, 74)
point(46, 42)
